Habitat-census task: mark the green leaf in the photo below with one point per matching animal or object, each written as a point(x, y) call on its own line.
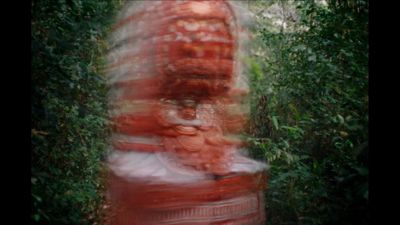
point(363, 171)
point(312, 58)
point(36, 217)
point(341, 119)
point(37, 198)
point(275, 122)
point(366, 195)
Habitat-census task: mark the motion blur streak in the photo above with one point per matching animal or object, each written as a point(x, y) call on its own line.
point(178, 108)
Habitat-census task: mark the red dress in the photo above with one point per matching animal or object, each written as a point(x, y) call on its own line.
point(176, 107)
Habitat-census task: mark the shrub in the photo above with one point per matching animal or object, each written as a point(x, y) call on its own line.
point(69, 127)
point(310, 113)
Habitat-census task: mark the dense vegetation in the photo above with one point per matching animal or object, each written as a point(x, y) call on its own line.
point(68, 108)
point(310, 111)
point(309, 82)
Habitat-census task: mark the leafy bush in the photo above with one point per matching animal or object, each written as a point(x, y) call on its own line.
point(310, 113)
point(68, 108)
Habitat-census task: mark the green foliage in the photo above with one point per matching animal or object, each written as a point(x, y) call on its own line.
point(69, 124)
point(310, 114)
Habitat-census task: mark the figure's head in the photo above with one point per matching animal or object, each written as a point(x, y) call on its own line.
point(196, 51)
point(178, 49)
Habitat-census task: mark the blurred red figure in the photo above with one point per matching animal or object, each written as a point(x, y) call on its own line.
point(177, 109)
